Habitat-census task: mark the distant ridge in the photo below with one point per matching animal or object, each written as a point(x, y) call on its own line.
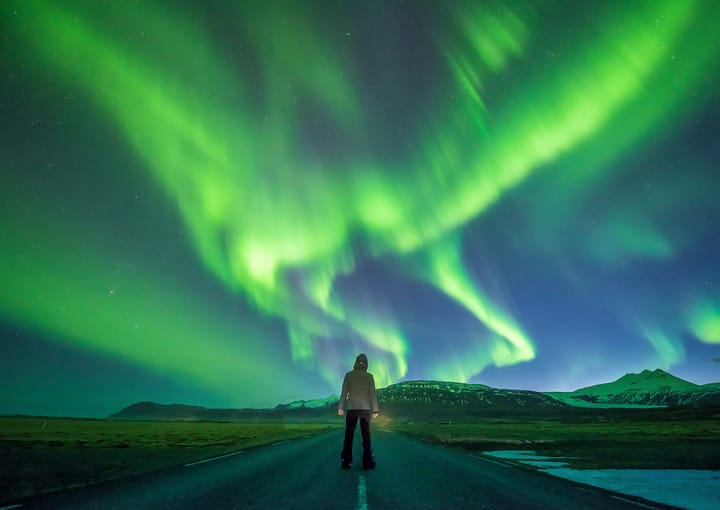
point(152, 411)
point(320, 403)
point(446, 400)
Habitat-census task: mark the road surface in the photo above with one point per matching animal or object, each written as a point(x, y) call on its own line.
point(305, 474)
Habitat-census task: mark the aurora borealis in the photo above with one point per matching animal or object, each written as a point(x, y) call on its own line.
point(222, 205)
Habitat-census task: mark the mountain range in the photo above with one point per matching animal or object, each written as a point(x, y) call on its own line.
point(445, 400)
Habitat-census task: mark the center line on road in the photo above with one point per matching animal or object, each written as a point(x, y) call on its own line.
point(362, 493)
point(9, 507)
point(213, 458)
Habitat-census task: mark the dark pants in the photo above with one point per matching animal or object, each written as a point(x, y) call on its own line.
point(351, 419)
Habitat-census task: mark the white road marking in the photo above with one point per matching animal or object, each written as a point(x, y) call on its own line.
point(9, 507)
point(488, 460)
point(362, 493)
point(635, 502)
point(210, 459)
point(280, 442)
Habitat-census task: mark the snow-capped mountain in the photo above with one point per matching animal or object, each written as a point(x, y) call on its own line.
point(648, 388)
point(438, 397)
point(655, 388)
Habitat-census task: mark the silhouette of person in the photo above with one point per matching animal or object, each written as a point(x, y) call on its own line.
point(358, 401)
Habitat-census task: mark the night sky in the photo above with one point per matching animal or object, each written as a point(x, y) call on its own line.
point(222, 205)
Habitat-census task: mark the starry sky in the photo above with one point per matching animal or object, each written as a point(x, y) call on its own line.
point(223, 204)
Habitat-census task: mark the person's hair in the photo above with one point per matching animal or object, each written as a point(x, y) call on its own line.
point(361, 362)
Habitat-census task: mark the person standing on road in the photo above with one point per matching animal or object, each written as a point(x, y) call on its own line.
point(358, 401)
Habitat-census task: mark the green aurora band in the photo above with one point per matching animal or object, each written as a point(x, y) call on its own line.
point(276, 223)
point(67, 290)
point(705, 321)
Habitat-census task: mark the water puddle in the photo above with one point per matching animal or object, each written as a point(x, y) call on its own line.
point(693, 489)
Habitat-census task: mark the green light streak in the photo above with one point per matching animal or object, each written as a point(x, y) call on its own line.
point(273, 222)
point(535, 126)
point(494, 35)
point(509, 345)
point(386, 338)
point(462, 367)
point(673, 93)
point(670, 350)
point(705, 321)
point(236, 187)
point(625, 236)
point(469, 164)
point(63, 285)
point(381, 334)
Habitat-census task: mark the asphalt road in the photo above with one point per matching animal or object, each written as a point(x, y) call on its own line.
point(305, 474)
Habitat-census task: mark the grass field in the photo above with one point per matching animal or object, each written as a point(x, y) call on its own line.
point(588, 444)
point(40, 455)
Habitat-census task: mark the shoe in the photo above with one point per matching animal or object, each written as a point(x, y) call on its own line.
point(368, 462)
point(345, 465)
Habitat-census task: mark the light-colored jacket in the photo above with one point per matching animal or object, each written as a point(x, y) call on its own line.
point(358, 391)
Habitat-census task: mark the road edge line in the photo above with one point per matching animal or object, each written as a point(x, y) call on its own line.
point(211, 459)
